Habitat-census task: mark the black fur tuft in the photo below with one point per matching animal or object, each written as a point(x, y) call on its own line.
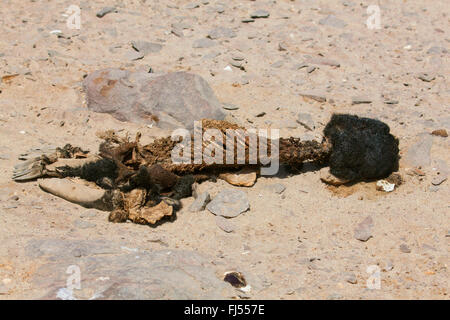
point(362, 148)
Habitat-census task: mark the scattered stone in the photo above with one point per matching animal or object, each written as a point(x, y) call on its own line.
point(277, 64)
point(229, 203)
point(389, 266)
point(439, 179)
point(333, 21)
point(247, 20)
point(404, 248)
point(360, 100)
point(327, 177)
point(146, 47)
point(170, 101)
point(310, 69)
point(203, 43)
point(426, 77)
point(178, 32)
point(14, 198)
point(282, 46)
point(418, 154)
point(221, 32)
point(314, 96)
point(134, 55)
point(88, 214)
point(391, 101)
point(300, 66)
point(82, 224)
point(4, 156)
point(350, 278)
point(192, 5)
point(242, 178)
point(323, 61)
point(3, 289)
point(236, 279)
point(260, 14)
point(237, 57)
point(224, 224)
point(200, 202)
point(238, 64)
point(363, 230)
point(395, 178)
point(229, 106)
point(260, 114)
point(383, 185)
point(103, 12)
point(276, 187)
point(306, 120)
point(437, 50)
point(440, 132)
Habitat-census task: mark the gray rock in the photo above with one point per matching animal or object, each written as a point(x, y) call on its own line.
point(221, 32)
point(332, 21)
point(350, 277)
point(314, 96)
point(418, 154)
point(178, 32)
point(363, 230)
point(88, 214)
point(323, 61)
point(306, 120)
point(276, 188)
point(170, 100)
point(162, 274)
point(229, 203)
point(277, 64)
point(4, 156)
point(238, 64)
point(260, 14)
point(310, 69)
point(103, 12)
point(439, 179)
point(81, 224)
point(200, 202)
point(229, 106)
point(203, 43)
point(134, 55)
point(192, 5)
point(404, 248)
point(146, 47)
point(4, 290)
point(437, 50)
point(360, 100)
point(225, 224)
point(426, 77)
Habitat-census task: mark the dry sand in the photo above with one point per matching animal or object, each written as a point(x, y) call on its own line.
point(299, 244)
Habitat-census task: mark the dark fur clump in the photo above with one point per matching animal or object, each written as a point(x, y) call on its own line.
point(362, 148)
point(94, 171)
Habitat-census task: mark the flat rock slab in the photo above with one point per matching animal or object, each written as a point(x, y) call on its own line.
point(110, 272)
point(229, 203)
point(419, 154)
point(363, 230)
point(170, 101)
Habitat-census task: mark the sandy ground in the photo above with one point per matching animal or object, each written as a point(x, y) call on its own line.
point(299, 244)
